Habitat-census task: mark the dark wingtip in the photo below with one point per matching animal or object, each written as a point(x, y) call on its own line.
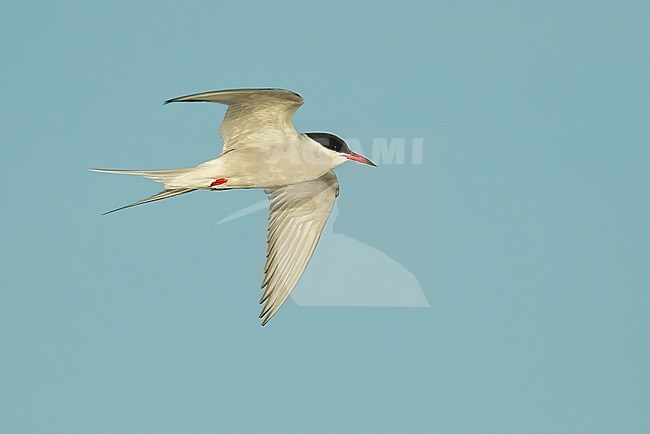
point(180, 99)
point(118, 209)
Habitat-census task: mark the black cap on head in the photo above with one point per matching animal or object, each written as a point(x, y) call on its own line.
point(330, 141)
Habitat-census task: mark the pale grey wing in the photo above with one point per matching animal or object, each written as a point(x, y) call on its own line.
point(297, 216)
point(255, 117)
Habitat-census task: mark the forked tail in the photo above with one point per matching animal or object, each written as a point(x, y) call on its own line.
point(164, 176)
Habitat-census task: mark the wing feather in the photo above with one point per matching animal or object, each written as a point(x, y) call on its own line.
point(298, 214)
point(254, 117)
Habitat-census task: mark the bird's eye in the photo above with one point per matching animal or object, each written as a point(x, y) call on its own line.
point(328, 141)
point(333, 145)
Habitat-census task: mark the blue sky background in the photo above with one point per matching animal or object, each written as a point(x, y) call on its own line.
point(527, 225)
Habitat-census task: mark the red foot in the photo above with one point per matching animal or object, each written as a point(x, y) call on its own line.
point(218, 181)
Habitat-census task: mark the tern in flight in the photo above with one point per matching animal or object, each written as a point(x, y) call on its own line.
point(262, 149)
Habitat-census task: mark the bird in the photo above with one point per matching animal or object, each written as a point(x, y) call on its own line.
point(263, 150)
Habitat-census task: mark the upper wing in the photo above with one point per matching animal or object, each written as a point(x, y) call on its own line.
point(297, 216)
point(254, 117)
